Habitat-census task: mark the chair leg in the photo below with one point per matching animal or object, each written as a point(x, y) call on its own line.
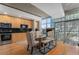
point(43, 52)
point(32, 50)
point(44, 48)
point(49, 45)
point(27, 47)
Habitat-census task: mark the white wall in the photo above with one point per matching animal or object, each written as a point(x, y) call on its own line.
point(15, 12)
point(53, 9)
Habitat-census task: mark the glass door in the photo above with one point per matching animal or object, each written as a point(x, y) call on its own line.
point(72, 32)
point(59, 30)
point(68, 31)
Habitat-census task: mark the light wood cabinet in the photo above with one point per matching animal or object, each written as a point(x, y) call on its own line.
point(18, 37)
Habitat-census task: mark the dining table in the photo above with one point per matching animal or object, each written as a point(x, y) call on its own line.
point(40, 39)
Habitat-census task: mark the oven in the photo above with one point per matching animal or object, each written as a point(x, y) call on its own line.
point(5, 35)
point(5, 38)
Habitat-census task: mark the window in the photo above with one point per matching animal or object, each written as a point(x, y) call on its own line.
point(44, 24)
point(44, 21)
point(47, 23)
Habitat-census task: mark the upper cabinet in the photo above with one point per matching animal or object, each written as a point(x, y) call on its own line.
point(16, 22)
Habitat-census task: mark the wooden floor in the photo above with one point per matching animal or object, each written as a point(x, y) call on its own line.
point(64, 49)
point(60, 49)
point(18, 48)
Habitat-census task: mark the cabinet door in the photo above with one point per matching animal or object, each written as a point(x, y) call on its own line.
point(18, 37)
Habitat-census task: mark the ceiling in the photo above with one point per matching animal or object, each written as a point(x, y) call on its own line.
point(27, 7)
point(55, 10)
point(70, 6)
point(32, 9)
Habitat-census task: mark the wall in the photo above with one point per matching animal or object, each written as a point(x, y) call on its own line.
point(36, 25)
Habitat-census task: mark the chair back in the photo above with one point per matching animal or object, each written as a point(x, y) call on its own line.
point(51, 34)
point(32, 33)
point(30, 38)
point(37, 34)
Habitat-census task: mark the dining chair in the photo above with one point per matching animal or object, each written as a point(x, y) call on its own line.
point(51, 36)
point(48, 40)
point(37, 34)
point(31, 42)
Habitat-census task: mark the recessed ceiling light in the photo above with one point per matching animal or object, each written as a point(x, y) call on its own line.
point(5, 13)
point(19, 16)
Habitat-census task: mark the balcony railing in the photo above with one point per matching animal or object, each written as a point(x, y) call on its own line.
point(68, 17)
